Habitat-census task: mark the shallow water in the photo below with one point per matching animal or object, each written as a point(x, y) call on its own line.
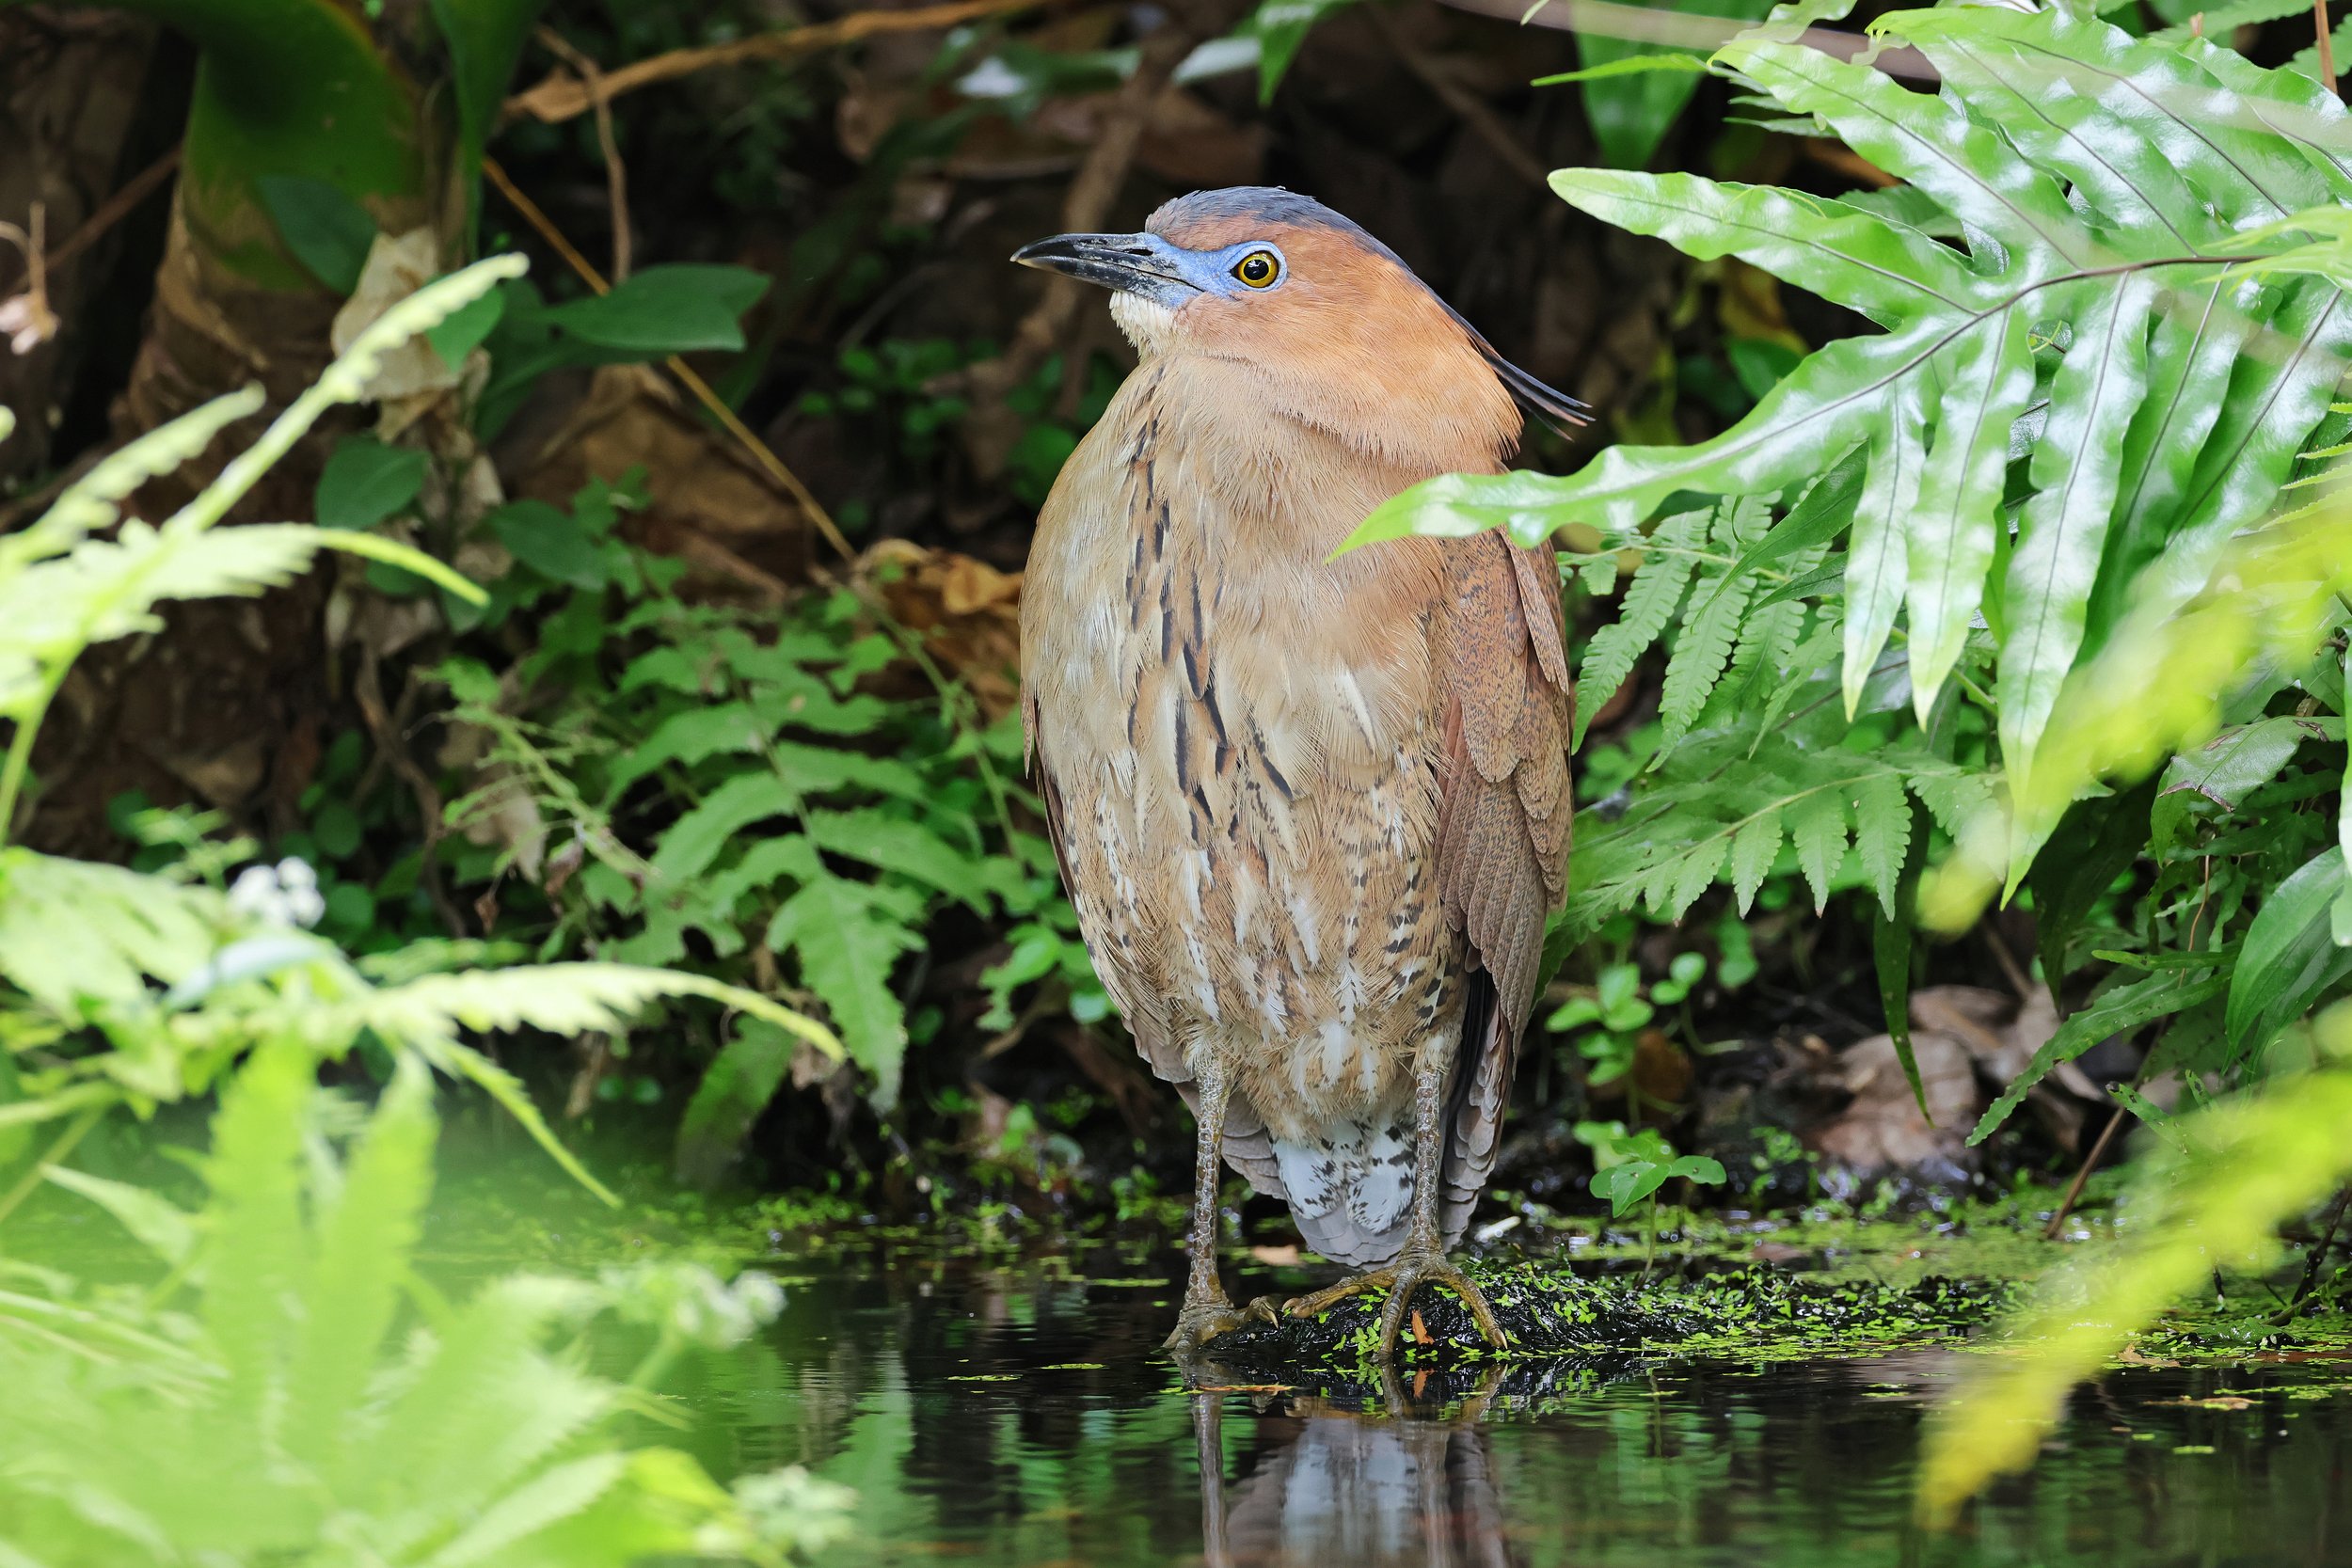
point(1018, 1412)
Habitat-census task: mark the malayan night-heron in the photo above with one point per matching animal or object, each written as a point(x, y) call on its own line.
point(1312, 811)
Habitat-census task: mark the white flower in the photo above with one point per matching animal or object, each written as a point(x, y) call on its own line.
point(286, 894)
point(27, 323)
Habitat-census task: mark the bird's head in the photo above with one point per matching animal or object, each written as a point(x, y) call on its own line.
point(1332, 327)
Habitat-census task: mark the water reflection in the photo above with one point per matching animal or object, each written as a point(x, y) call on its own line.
point(1336, 1485)
point(1017, 1414)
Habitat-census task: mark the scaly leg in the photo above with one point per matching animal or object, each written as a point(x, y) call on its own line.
point(1207, 1312)
point(1423, 1260)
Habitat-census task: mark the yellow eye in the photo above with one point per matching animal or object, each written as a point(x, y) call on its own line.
point(1259, 268)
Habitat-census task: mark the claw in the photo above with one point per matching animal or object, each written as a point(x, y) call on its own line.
point(1415, 1267)
point(1202, 1321)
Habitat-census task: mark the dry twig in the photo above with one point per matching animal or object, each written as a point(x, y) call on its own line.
point(615, 175)
point(560, 98)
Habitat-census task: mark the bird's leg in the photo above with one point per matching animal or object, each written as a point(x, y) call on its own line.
point(1423, 1260)
point(1207, 1312)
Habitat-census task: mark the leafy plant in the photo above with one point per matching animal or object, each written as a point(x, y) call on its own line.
point(1632, 1166)
point(2210, 1196)
point(278, 1423)
point(2110, 296)
point(284, 1418)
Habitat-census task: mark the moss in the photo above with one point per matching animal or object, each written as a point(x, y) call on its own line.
point(1756, 1314)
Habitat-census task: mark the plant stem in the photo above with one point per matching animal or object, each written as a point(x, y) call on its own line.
point(19, 757)
point(76, 1131)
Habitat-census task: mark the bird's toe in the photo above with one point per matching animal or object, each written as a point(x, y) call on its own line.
point(1202, 1321)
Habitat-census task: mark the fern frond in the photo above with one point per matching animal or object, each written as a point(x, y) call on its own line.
point(1649, 603)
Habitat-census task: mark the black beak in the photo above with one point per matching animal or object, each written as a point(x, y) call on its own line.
point(1129, 264)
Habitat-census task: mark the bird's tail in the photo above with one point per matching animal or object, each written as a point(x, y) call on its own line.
point(1351, 1188)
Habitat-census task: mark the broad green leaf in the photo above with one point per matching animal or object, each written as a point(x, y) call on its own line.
point(327, 231)
point(1280, 27)
point(2235, 763)
point(549, 541)
point(1826, 404)
point(1929, 141)
point(2064, 529)
point(365, 481)
point(2190, 363)
point(1888, 272)
point(2278, 394)
point(1630, 112)
point(1951, 543)
point(2121, 152)
point(674, 309)
point(1877, 565)
point(2290, 955)
point(2118, 1011)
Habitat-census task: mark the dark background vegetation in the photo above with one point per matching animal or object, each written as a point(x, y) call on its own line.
point(924, 392)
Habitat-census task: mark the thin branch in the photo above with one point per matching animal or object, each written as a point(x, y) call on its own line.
point(710, 401)
point(615, 175)
point(2327, 46)
point(113, 210)
point(560, 98)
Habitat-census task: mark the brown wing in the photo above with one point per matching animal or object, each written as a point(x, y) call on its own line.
point(1503, 817)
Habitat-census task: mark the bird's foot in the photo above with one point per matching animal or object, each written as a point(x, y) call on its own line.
point(1212, 1317)
point(1420, 1264)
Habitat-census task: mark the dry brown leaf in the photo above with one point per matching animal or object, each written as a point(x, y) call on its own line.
point(707, 503)
point(967, 613)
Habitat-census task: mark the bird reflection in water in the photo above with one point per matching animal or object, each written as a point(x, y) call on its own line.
point(1339, 1484)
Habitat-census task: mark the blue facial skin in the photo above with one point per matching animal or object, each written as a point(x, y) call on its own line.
point(1151, 268)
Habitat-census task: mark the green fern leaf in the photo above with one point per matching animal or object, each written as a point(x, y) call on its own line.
point(1649, 604)
point(367, 1233)
point(1686, 876)
point(687, 737)
point(253, 1265)
point(848, 937)
point(697, 838)
point(1754, 846)
point(895, 843)
point(1881, 837)
point(1817, 825)
point(1703, 648)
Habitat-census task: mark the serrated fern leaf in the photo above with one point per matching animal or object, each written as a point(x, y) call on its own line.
point(368, 1228)
point(1703, 648)
point(1649, 603)
point(1754, 846)
point(1817, 825)
point(1882, 832)
point(847, 941)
